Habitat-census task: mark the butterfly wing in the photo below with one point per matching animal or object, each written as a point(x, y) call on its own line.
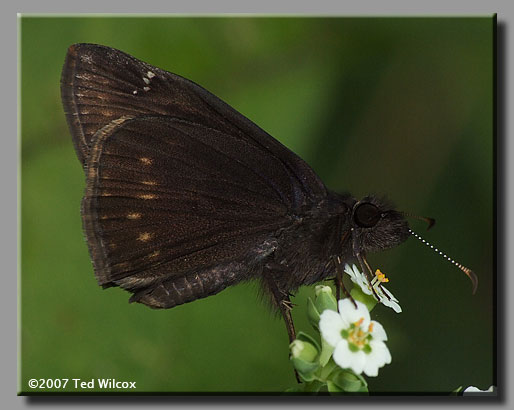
point(100, 84)
point(184, 195)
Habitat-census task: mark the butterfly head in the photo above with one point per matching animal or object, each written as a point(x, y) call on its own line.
point(377, 225)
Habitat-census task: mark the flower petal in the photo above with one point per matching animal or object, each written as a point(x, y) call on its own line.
point(387, 298)
point(358, 278)
point(342, 354)
point(378, 331)
point(330, 325)
point(473, 389)
point(380, 352)
point(349, 271)
point(371, 366)
point(358, 362)
point(377, 358)
point(347, 359)
point(392, 304)
point(351, 315)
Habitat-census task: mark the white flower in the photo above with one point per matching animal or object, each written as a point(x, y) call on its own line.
point(475, 390)
point(384, 296)
point(358, 278)
point(358, 341)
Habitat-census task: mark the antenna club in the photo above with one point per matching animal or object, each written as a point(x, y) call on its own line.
point(469, 273)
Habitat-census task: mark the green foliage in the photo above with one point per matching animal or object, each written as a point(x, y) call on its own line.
point(395, 106)
point(314, 365)
point(359, 295)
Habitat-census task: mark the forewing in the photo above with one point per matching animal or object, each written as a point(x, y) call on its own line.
point(100, 84)
point(166, 197)
point(184, 194)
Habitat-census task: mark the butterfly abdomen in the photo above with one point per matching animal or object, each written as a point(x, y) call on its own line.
point(179, 290)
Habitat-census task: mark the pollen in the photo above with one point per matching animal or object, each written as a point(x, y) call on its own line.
point(147, 196)
point(145, 160)
point(134, 215)
point(370, 327)
point(381, 276)
point(359, 322)
point(144, 237)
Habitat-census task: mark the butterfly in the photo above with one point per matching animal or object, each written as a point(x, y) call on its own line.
point(185, 196)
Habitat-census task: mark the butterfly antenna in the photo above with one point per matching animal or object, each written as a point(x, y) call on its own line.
point(429, 221)
point(470, 274)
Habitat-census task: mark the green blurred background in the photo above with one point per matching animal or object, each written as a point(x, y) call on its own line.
point(402, 107)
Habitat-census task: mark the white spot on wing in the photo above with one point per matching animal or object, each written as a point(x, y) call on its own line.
point(150, 74)
point(146, 80)
point(134, 92)
point(146, 88)
point(85, 58)
point(83, 76)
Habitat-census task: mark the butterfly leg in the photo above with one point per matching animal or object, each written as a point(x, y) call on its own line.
point(282, 301)
point(339, 280)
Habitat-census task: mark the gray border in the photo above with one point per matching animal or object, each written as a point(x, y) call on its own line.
point(8, 380)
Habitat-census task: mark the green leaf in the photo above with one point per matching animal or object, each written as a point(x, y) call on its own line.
point(305, 369)
point(326, 352)
point(348, 381)
point(457, 392)
point(368, 300)
point(363, 389)
point(312, 314)
point(328, 369)
point(362, 379)
point(314, 386)
point(334, 388)
point(299, 388)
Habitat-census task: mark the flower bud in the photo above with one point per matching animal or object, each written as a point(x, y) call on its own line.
point(304, 358)
point(324, 299)
point(303, 350)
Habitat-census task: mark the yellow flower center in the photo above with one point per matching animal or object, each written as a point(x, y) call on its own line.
point(358, 339)
point(381, 276)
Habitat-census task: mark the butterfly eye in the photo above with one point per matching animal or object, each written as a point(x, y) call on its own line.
point(366, 215)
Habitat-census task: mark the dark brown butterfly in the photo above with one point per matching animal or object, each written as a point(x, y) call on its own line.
point(185, 196)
